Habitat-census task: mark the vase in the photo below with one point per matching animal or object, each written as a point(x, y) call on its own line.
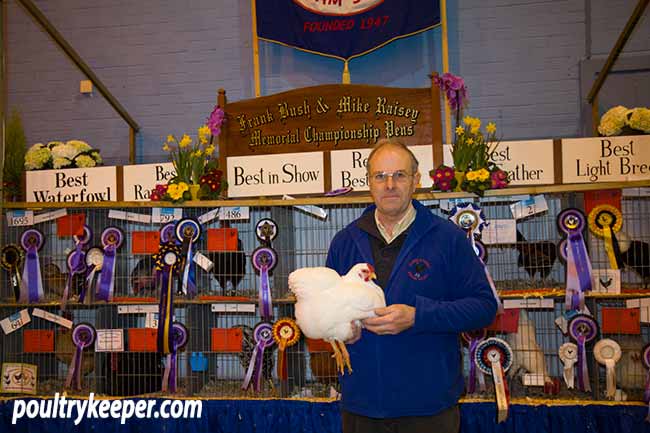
point(460, 177)
point(194, 191)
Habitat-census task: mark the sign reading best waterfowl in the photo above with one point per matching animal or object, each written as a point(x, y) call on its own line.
point(315, 121)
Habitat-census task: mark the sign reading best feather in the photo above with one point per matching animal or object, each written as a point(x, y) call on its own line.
point(326, 118)
point(72, 185)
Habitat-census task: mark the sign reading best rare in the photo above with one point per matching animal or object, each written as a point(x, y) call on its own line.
point(72, 185)
point(279, 174)
point(527, 162)
point(139, 180)
point(349, 167)
point(606, 159)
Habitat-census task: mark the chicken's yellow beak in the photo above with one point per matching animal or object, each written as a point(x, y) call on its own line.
point(373, 276)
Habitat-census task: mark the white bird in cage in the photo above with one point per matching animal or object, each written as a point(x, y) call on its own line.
point(528, 355)
point(327, 303)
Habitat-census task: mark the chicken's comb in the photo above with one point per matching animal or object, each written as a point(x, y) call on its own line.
point(371, 268)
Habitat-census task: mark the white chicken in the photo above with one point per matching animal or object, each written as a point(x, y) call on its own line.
point(326, 303)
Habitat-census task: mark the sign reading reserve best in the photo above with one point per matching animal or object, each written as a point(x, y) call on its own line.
point(606, 159)
point(140, 179)
point(72, 185)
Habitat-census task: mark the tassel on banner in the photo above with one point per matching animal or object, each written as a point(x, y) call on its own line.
point(345, 79)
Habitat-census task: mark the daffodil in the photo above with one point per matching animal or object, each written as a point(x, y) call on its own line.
point(470, 140)
point(197, 153)
point(460, 130)
point(209, 150)
point(185, 141)
point(491, 128)
point(166, 147)
point(170, 138)
point(204, 134)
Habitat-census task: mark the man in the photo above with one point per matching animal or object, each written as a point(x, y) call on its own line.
point(409, 373)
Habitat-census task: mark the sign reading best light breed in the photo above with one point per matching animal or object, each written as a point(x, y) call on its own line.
point(606, 159)
point(72, 185)
point(291, 173)
point(349, 167)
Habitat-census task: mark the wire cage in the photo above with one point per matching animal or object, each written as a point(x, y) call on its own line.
point(220, 319)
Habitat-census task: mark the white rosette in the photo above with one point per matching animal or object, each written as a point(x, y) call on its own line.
point(608, 352)
point(568, 354)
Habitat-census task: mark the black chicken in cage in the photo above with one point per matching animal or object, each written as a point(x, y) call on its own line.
point(229, 266)
point(536, 256)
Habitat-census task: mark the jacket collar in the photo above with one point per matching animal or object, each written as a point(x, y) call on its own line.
point(424, 221)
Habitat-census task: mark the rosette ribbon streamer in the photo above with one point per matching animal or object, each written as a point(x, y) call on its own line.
point(112, 239)
point(583, 329)
point(473, 338)
point(166, 261)
point(76, 262)
point(264, 260)
point(179, 336)
point(608, 352)
point(188, 232)
point(11, 257)
point(494, 357)
point(605, 221)
point(285, 333)
point(32, 240)
point(83, 336)
point(263, 337)
point(94, 262)
point(470, 218)
point(568, 353)
point(578, 266)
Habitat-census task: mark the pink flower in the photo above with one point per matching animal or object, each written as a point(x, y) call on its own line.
point(499, 179)
point(215, 120)
point(161, 189)
point(154, 196)
point(448, 173)
point(444, 185)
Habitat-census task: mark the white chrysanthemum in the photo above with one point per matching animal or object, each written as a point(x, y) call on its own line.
point(613, 121)
point(96, 156)
point(36, 157)
point(64, 151)
point(640, 119)
point(81, 146)
point(84, 161)
point(60, 162)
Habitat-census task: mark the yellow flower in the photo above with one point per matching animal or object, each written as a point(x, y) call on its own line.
point(483, 175)
point(166, 148)
point(470, 141)
point(204, 134)
point(170, 138)
point(460, 130)
point(197, 153)
point(209, 150)
point(491, 128)
point(471, 175)
point(182, 186)
point(185, 141)
point(476, 125)
point(176, 190)
point(468, 120)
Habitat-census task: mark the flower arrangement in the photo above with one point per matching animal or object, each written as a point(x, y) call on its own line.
point(620, 120)
point(473, 171)
point(454, 89)
point(57, 154)
point(195, 164)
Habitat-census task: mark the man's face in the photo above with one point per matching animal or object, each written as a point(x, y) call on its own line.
point(392, 196)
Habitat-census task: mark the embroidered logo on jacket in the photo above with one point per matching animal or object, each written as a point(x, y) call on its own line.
point(418, 269)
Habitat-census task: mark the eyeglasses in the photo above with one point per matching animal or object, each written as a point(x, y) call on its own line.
point(399, 176)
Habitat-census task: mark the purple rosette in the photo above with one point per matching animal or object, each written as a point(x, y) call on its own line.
point(338, 191)
point(572, 222)
point(179, 337)
point(263, 337)
point(83, 336)
point(188, 232)
point(32, 240)
point(583, 329)
point(111, 238)
point(168, 233)
point(264, 261)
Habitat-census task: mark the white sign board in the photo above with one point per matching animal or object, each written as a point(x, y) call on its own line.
point(526, 162)
point(139, 180)
point(349, 167)
point(286, 173)
point(606, 159)
point(72, 185)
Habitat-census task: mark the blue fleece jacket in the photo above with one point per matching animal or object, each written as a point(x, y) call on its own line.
point(419, 371)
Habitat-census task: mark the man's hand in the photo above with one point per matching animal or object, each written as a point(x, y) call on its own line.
point(391, 320)
point(356, 333)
